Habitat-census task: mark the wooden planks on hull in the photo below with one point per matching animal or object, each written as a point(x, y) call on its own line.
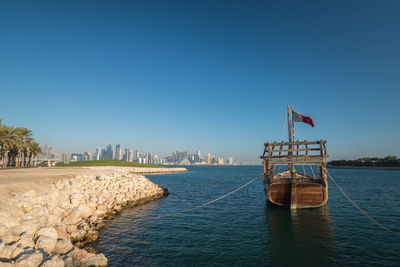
point(297, 195)
point(307, 195)
point(280, 193)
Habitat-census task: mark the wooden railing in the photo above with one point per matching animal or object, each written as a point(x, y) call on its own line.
point(295, 152)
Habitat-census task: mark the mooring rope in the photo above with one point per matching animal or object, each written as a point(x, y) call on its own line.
point(358, 207)
point(201, 205)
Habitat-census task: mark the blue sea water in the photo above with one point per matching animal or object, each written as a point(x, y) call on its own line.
point(242, 230)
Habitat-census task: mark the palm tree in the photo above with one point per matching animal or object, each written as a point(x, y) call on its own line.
point(27, 151)
point(7, 139)
point(35, 149)
point(21, 136)
point(17, 146)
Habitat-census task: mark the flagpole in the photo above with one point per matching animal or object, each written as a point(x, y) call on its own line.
point(290, 128)
point(292, 125)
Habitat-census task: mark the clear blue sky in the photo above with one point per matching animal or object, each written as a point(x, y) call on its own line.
point(210, 75)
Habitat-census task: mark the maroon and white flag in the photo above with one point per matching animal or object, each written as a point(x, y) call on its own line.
point(301, 118)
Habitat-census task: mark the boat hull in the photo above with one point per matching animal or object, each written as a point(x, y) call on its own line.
point(296, 193)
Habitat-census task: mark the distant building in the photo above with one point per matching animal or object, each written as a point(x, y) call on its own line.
point(130, 155)
point(56, 156)
point(77, 157)
point(108, 153)
point(184, 162)
point(64, 157)
point(126, 155)
point(230, 161)
point(208, 158)
point(136, 156)
point(46, 153)
point(118, 152)
point(86, 155)
point(220, 161)
point(97, 154)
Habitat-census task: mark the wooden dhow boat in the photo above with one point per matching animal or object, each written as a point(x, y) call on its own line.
point(294, 188)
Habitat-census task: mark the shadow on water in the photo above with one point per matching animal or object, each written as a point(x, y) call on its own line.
point(301, 237)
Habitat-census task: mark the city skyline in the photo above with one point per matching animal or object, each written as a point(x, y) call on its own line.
point(208, 75)
point(139, 156)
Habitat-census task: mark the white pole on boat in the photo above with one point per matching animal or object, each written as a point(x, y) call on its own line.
point(290, 129)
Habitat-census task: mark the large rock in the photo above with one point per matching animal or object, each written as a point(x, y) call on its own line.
point(9, 236)
point(3, 230)
point(5, 251)
point(46, 243)
point(30, 227)
point(29, 259)
point(53, 194)
point(8, 220)
point(47, 231)
point(26, 241)
point(53, 262)
point(63, 247)
point(17, 250)
point(95, 260)
point(78, 256)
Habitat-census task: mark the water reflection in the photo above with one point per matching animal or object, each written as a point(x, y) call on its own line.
point(302, 237)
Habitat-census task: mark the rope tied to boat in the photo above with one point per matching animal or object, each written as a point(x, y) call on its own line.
point(358, 207)
point(201, 205)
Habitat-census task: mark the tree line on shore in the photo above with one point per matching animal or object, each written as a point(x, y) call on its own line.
point(388, 161)
point(17, 146)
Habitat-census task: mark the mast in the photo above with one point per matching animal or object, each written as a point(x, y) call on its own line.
point(290, 129)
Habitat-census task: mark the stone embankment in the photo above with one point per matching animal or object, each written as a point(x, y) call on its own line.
point(52, 229)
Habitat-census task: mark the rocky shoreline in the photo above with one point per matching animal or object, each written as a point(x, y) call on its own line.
point(51, 229)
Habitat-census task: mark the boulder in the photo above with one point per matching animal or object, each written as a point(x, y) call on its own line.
point(8, 220)
point(53, 262)
point(26, 241)
point(70, 228)
point(53, 194)
point(3, 230)
point(30, 259)
point(46, 243)
point(47, 231)
point(63, 247)
point(17, 250)
point(53, 220)
point(95, 260)
point(78, 256)
point(30, 227)
point(68, 261)
point(5, 251)
point(92, 236)
point(9, 236)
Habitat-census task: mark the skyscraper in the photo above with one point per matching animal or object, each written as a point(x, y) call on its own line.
point(208, 158)
point(64, 157)
point(108, 153)
point(126, 155)
point(118, 152)
point(130, 155)
point(97, 154)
